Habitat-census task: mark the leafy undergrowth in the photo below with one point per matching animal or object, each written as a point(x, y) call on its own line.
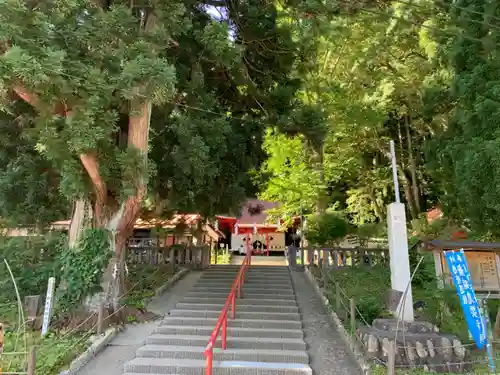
point(369, 288)
point(142, 282)
point(58, 348)
point(53, 352)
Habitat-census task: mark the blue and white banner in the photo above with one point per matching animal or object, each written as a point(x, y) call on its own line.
point(457, 264)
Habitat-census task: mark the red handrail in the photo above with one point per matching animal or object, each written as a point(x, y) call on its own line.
point(230, 302)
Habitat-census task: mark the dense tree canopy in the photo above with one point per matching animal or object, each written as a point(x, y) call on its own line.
point(422, 73)
point(136, 107)
point(112, 85)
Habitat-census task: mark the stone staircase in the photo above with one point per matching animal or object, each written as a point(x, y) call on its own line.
point(265, 338)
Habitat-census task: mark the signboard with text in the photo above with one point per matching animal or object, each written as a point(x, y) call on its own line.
point(457, 264)
point(482, 268)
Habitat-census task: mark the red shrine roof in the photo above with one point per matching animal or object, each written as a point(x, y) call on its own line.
point(252, 213)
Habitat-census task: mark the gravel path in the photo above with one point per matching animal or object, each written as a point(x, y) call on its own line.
point(327, 351)
point(122, 349)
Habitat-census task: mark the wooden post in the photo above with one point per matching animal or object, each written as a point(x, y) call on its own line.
point(325, 277)
point(100, 319)
point(352, 313)
point(1, 339)
point(173, 258)
point(310, 256)
point(32, 361)
point(337, 298)
point(391, 358)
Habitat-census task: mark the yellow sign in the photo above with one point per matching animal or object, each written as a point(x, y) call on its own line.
point(483, 269)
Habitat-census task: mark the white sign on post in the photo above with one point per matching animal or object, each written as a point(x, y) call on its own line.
point(47, 314)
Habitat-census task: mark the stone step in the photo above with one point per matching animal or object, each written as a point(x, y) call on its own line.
point(157, 366)
point(230, 354)
point(232, 331)
point(252, 267)
point(230, 281)
point(217, 276)
point(246, 288)
point(245, 301)
point(241, 304)
point(248, 284)
point(250, 272)
point(232, 342)
point(246, 294)
point(240, 323)
point(239, 314)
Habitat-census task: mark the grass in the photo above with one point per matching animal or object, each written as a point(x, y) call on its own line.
point(369, 286)
point(57, 349)
point(54, 351)
point(142, 282)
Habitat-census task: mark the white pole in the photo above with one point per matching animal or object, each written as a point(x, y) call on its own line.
point(47, 314)
point(398, 249)
point(394, 172)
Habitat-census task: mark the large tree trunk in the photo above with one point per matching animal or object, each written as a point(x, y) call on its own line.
point(80, 219)
point(121, 224)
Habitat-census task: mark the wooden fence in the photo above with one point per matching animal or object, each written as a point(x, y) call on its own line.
point(195, 256)
point(340, 257)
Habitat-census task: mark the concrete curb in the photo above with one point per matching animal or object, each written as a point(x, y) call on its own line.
point(97, 346)
point(101, 342)
point(353, 346)
point(178, 275)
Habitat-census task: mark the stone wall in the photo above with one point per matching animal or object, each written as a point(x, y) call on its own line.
point(418, 345)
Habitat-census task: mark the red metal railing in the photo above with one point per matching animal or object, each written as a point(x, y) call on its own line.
point(230, 303)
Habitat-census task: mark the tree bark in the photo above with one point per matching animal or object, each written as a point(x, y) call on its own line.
point(412, 162)
point(91, 165)
point(404, 179)
point(122, 222)
point(320, 168)
point(376, 207)
point(79, 220)
point(408, 192)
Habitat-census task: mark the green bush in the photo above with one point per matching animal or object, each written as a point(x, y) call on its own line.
point(327, 229)
point(368, 287)
point(32, 260)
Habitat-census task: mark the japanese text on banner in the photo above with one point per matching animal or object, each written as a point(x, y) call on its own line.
point(457, 264)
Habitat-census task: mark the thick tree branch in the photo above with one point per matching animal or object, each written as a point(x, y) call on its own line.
point(138, 138)
point(91, 165)
point(32, 99)
point(89, 160)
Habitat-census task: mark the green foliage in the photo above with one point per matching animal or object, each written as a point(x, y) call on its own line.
point(32, 260)
point(212, 95)
point(142, 282)
point(366, 232)
point(82, 268)
point(327, 229)
point(29, 185)
point(368, 286)
point(54, 351)
point(287, 176)
point(468, 145)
